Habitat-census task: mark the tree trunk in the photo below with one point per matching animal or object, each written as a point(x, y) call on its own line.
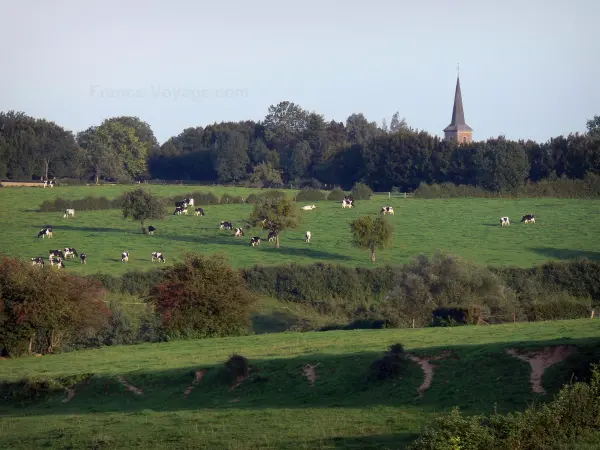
point(46, 167)
point(277, 240)
point(143, 229)
point(97, 177)
point(372, 255)
point(31, 343)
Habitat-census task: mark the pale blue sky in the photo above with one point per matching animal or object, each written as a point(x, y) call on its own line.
point(528, 69)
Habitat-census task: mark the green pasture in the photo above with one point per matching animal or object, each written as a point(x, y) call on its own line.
point(565, 229)
point(275, 407)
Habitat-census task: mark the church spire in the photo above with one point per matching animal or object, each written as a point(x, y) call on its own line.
point(458, 129)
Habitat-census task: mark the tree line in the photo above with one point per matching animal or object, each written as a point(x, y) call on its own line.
point(289, 147)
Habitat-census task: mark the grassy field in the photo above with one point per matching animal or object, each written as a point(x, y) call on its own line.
point(276, 407)
point(467, 227)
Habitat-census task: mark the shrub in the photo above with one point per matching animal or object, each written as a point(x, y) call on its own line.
point(89, 203)
point(391, 366)
point(203, 297)
point(231, 199)
point(361, 191)
point(236, 368)
point(311, 183)
point(310, 194)
point(263, 196)
point(200, 198)
point(337, 195)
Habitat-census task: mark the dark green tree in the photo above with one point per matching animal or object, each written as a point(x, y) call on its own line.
point(371, 234)
point(141, 205)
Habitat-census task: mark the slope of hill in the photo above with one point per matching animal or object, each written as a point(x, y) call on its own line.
point(304, 390)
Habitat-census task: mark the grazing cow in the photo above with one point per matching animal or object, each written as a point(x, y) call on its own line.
point(125, 257)
point(56, 254)
point(199, 212)
point(226, 226)
point(272, 236)
point(157, 256)
point(189, 201)
point(151, 230)
point(255, 241)
point(387, 210)
point(69, 212)
point(529, 218)
point(70, 251)
point(308, 207)
point(347, 203)
point(308, 236)
point(83, 258)
point(39, 261)
point(57, 262)
point(180, 211)
point(504, 221)
point(181, 205)
point(239, 232)
point(46, 232)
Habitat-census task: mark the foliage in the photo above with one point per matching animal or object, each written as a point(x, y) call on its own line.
point(227, 199)
point(142, 205)
point(361, 191)
point(264, 175)
point(336, 195)
point(371, 234)
point(278, 215)
point(40, 308)
point(203, 297)
point(89, 203)
point(272, 196)
point(391, 366)
point(310, 194)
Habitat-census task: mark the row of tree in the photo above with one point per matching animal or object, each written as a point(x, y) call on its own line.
point(290, 146)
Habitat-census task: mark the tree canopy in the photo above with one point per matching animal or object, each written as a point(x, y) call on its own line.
point(141, 205)
point(371, 234)
point(275, 213)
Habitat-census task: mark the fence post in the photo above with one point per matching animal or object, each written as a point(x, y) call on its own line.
point(592, 316)
point(413, 323)
point(389, 195)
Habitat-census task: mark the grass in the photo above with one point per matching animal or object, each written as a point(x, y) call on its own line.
point(565, 229)
point(276, 407)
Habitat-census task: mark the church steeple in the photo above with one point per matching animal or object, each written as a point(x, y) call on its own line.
point(458, 130)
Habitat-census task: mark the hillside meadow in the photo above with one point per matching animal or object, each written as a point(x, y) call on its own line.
point(276, 407)
point(468, 227)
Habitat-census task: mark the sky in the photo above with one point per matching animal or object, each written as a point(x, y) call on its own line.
point(528, 69)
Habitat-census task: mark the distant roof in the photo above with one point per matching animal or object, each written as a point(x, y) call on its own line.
point(458, 114)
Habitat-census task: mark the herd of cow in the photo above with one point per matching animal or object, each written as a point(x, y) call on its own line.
point(57, 256)
point(527, 218)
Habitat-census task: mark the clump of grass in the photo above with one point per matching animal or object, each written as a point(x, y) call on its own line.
point(391, 366)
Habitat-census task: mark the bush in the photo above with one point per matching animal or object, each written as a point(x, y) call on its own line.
point(203, 297)
point(310, 194)
point(311, 183)
point(361, 192)
point(227, 199)
point(275, 196)
point(200, 198)
point(391, 366)
point(236, 368)
point(89, 203)
point(337, 195)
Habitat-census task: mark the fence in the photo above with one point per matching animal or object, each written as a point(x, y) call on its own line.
point(396, 194)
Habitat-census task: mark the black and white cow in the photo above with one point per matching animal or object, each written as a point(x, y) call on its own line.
point(125, 257)
point(180, 210)
point(181, 205)
point(529, 218)
point(58, 262)
point(157, 256)
point(387, 210)
point(255, 241)
point(199, 212)
point(189, 201)
point(39, 261)
point(70, 251)
point(272, 236)
point(504, 221)
point(226, 226)
point(239, 232)
point(347, 202)
point(46, 232)
point(83, 258)
point(69, 213)
point(308, 236)
point(56, 254)
point(151, 230)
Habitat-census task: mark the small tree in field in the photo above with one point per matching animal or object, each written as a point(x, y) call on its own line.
point(142, 205)
point(371, 234)
point(275, 215)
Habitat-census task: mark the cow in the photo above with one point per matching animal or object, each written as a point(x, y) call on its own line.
point(46, 232)
point(69, 212)
point(308, 236)
point(189, 201)
point(199, 212)
point(157, 256)
point(38, 261)
point(347, 203)
point(239, 232)
point(70, 251)
point(308, 207)
point(83, 258)
point(504, 221)
point(529, 218)
point(125, 257)
point(226, 226)
point(387, 210)
point(180, 210)
point(55, 254)
point(181, 205)
point(57, 262)
point(255, 241)
point(272, 236)
point(151, 230)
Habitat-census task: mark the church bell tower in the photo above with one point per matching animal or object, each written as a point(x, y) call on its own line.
point(458, 130)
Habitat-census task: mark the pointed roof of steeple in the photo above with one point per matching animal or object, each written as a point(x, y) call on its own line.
point(458, 113)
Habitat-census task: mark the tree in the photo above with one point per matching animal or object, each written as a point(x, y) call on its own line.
point(278, 214)
point(265, 175)
point(231, 160)
point(203, 297)
point(397, 125)
point(371, 234)
point(142, 205)
point(285, 122)
point(501, 165)
point(593, 127)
